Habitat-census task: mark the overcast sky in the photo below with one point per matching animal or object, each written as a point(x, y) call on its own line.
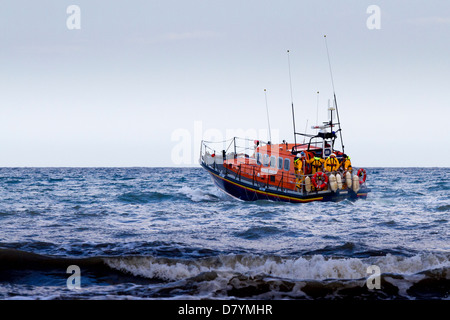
point(142, 81)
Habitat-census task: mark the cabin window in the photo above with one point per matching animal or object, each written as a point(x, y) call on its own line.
point(273, 161)
point(280, 163)
point(266, 160)
point(287, 164)
point(258, 158)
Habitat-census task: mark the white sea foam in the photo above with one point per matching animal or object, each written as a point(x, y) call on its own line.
point(411, 265)
point(151, 267)
point(317, 267)
point(197, 194)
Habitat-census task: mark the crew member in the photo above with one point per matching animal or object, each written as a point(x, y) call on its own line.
point(316, 164)
point(332, 163)
point(346, 164)
point(297, 165)
point(298, 168)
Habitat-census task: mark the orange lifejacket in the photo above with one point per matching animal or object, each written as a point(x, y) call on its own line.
point(316, 164)
point(331, 164)
point(346, 164)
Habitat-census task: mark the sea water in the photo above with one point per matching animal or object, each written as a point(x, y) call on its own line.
point(169, 233)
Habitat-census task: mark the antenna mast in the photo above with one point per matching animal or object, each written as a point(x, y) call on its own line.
point(292, 100)
point(334, 94)
point(317, 109)
point(268, 122)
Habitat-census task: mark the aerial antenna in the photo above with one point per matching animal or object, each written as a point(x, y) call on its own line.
point(292, 100)
point(306, 129)
point(334, 94)
point(317, 109)
point(267, 109)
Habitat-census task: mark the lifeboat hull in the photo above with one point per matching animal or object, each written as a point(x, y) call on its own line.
point(250, 192)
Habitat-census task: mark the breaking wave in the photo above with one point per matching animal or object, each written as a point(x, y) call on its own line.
point(251, 276)
point(316, 267)
point(308, 277)
point(193, 194)
point(198, 195)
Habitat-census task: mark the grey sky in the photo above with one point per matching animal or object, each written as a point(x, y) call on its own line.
point(114, 92)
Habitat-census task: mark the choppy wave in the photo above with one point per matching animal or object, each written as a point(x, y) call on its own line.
point(254, 233)
point(154, 233)
point(144, 197)
point(443, 208)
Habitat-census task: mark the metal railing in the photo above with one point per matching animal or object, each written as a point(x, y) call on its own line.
point(234, 148)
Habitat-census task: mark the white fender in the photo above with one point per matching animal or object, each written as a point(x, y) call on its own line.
point(308, 184)
point(348, 179)
point(339, 180)
point(355, 186)
point(333, 183)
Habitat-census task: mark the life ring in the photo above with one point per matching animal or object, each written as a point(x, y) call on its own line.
point(319, 180)
point(362, 174)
